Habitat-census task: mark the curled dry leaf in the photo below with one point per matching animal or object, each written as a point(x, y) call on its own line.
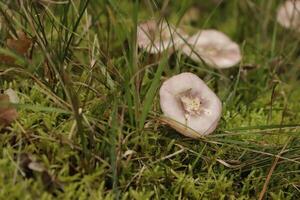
point(189, 105)
point(288, 14)
point(155, 37)
point(29, 164)
point(13, 97)
point(8, 113)
point(128, 153)
point(20, 45)
point(31, 167)
point(6, 59)
point(36, 166)
point(214, 48)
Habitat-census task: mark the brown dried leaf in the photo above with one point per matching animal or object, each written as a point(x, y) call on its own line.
point(25, 160)
point(6, 59)
point(8, 113)
point(33, 168)
point(36, 166)
point(20, 45)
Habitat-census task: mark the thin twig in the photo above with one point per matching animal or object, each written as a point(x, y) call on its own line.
point(263, 191)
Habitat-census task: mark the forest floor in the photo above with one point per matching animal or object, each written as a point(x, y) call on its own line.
point(88, 117)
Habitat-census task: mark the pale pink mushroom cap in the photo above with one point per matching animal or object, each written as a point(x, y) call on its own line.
point(214, 48)
point(172, 93)
point(155, 37)
point(288, 14)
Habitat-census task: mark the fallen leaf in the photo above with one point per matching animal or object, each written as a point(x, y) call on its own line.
point(8, 113)
point(33, 168)
point(6, 59)
point(13, 97)
point(25, 160)
point(21, 44)
point(36, 166)
point(128, 153)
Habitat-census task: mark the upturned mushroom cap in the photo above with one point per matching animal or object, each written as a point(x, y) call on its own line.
point(214, 48)
point(155, 37)
point(288, 14)
point(189, 105)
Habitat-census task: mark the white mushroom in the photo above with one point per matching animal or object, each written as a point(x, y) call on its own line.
point(214, 48)
point(155, 37)
point(288, 14)
point(189, 105)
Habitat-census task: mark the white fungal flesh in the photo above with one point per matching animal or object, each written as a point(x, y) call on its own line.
point(188, 107)
point(288, 14)
point(191, 105)
point(214, 48)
